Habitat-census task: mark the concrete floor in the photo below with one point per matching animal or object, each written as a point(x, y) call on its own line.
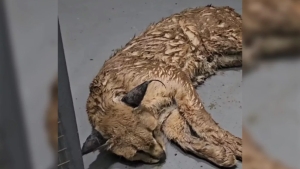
point(92, 29)
point(271, 109)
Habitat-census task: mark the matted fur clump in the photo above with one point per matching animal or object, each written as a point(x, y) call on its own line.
point(129, 115)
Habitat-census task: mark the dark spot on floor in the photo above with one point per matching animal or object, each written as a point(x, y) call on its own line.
point(211, 106)
point(252, 118)
point(91, 59)
point(175, 154)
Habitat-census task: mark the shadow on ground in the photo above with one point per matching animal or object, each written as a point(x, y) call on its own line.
point(106, 160)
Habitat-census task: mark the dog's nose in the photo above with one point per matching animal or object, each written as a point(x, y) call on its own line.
point(162, 157)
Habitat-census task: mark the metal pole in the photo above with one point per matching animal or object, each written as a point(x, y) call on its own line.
point(66, 111)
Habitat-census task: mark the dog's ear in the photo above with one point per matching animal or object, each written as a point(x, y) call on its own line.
point(93, 142)
point(135, 96)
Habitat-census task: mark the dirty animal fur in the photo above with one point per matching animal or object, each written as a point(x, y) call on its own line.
point(51, 119)
point(255, 157)
point(264, 37)
point(181, 51)
point(52, 116)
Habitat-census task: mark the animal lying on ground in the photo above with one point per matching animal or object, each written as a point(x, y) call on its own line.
point(51, 119)
point(264, 37)
point(52, 116)
point(267, 41)
point(129, 115)
point(255, 157)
